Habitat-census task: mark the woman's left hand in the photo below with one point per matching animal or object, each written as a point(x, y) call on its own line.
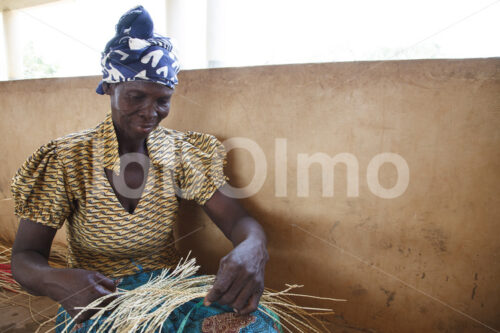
point(240, 280)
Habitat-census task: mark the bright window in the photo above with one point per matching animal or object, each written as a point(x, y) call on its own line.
point(65, 38)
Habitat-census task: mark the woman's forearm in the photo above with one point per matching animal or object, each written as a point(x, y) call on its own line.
point(247, 228)
point(30, 253)
point(30, 269)
point(71, 287)
point(232, 219)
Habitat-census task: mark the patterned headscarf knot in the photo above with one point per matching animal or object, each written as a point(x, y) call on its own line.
point(136, 53)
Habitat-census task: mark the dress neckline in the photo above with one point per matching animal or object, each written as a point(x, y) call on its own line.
point(111, 191)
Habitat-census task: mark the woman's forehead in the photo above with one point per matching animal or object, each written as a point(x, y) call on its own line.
point(144, 86)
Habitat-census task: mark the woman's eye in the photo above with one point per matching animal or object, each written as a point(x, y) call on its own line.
point(163, 101)
point(136, 97)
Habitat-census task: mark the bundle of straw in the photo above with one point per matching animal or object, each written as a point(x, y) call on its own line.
point(146, 308)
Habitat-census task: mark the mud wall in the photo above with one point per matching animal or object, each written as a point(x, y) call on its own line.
point(410, 238)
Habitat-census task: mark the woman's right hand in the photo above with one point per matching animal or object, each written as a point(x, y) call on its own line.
point(70, 287)
point(73, 287)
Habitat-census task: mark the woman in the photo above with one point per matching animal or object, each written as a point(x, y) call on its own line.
point(118, 186)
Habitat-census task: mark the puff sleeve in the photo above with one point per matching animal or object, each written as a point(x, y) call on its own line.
point(39, 189)
point(202, 166)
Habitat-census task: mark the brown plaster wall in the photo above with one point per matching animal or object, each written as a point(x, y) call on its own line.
point(426, 261)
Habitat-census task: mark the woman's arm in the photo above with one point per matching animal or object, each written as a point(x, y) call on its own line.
point(70, 287)
point(240, 279)
point(30, 254)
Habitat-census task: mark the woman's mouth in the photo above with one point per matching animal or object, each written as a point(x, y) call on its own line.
point(146, 127)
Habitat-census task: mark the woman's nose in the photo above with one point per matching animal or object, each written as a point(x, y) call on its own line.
point(149, 110)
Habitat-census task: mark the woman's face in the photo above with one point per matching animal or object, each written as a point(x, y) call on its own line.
point(138, 106)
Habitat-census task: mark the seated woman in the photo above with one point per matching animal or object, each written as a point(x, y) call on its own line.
point(118, 186)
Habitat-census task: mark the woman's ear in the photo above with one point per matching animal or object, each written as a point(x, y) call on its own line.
point(106, 87)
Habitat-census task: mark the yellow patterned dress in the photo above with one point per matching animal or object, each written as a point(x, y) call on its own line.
point(65, 180)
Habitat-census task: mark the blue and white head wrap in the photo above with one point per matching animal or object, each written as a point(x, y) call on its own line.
point(136, 53)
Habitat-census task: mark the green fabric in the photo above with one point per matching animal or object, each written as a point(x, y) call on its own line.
point(187, 318)
point(184, 321)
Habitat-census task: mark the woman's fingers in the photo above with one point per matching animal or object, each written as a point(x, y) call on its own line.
point(237, 286)
point(252, 304)
point(223, 282)
point(230, 280)
point(104, 286)
point(105, 281)
point(99, 292)
point(104, 292)
point(99, 286)
point(244, 296)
